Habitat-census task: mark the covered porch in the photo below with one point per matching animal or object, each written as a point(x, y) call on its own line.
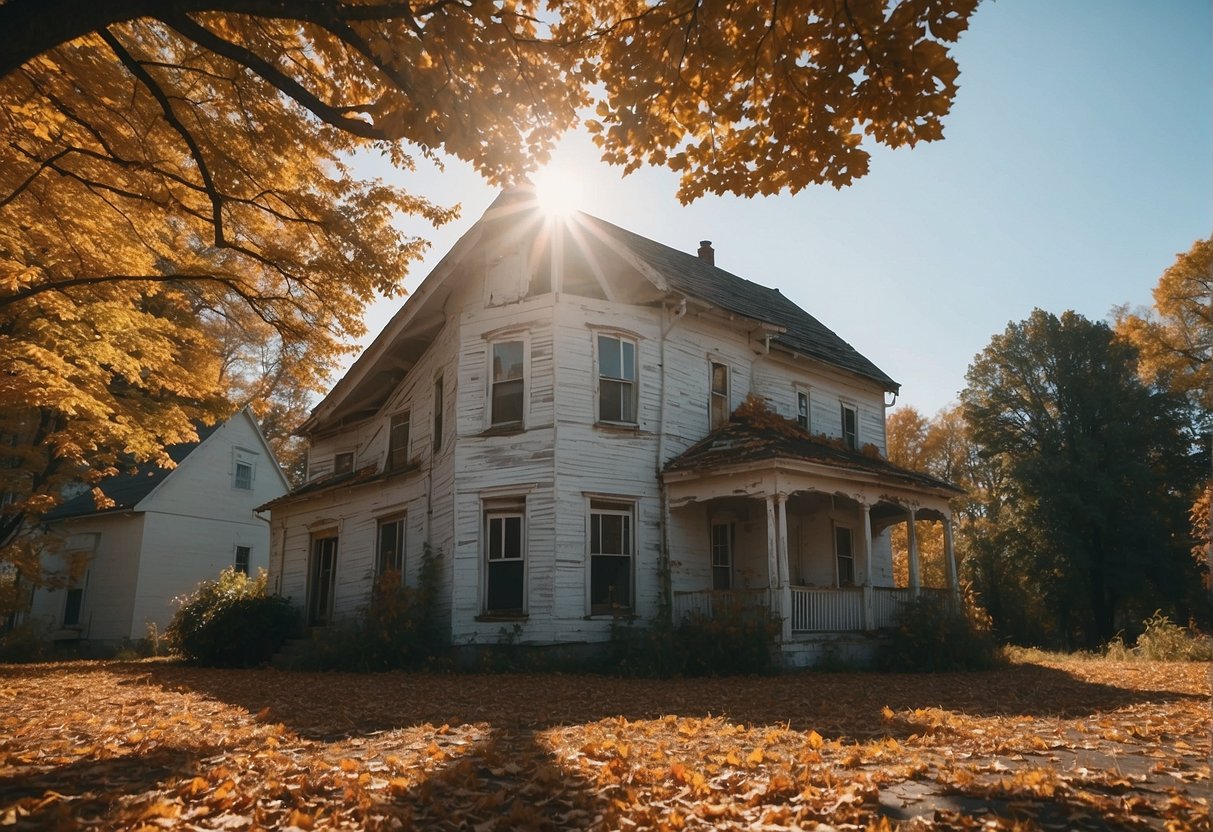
point(802, 531)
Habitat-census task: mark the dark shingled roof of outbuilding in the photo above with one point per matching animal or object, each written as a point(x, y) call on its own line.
point(127, 490)
point(693, 276)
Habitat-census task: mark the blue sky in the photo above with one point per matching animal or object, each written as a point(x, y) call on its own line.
point(1077, 162)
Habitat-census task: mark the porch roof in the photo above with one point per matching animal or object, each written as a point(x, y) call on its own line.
point(756, 435)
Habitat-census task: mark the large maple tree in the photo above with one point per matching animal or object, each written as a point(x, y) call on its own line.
point(168, 167)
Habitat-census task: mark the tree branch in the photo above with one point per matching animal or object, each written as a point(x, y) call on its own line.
point(170, 116)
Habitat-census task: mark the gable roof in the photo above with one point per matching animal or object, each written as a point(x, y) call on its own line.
point(382, 365)
point(128, 490)
point(693, 276)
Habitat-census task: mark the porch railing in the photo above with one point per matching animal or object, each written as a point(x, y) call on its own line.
point(817, 610)
point(813, 610)
point(709, 602)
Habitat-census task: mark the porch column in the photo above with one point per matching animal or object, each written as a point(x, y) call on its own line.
point(912, 537)
point(869, 618)
point(772, 545)
point(785, 588)
point(950, 556)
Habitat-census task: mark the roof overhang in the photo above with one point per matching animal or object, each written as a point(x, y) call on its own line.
point(786, 476)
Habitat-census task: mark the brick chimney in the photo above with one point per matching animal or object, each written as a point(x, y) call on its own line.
point(707, 253)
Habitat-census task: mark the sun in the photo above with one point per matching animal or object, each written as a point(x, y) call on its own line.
point(558, 190)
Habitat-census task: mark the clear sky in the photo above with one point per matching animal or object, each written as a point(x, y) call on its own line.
point(1077, 163)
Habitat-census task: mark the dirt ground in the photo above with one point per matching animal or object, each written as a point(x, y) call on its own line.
point(1057, 744)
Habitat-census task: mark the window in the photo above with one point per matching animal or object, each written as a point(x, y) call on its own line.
point(720, 395)
point(72, 606)
point(244, 476)
point(802, 409)
point(722, 556)
point(845, 553)
point(438, 414)
point(616, 379)
point(343, 463)
point(243, 554)
point(610, 556)
point(322, 579)
point(850, 426)
point(398, 441)
point(390, 555)
point(505, 547)
point(506, 396)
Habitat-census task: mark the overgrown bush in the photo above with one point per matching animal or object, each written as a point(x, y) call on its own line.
point(936, 634)
point(231, 622)
point(1163, 641)
point(24, 643)
point(398, 629)
point(736, 640)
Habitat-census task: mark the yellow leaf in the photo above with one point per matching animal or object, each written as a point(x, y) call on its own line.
point(756, 757)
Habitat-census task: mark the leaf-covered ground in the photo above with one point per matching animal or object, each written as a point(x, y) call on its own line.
point(1065, 745)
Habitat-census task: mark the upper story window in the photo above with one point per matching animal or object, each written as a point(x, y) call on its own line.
point(438, 406)
point(244, 470)
point(720, 395)
point(616, 379)
point(802, 409)
point(850, 426)
point(507, 385)
point(343, 463)
point(398, 441)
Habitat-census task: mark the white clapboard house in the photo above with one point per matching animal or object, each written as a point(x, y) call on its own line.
point(551, 412)
point(117, 568)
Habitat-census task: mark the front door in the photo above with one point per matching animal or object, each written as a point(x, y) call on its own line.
point(322, 576)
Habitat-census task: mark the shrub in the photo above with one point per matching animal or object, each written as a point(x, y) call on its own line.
point(24, 643)
point(1163, 641)
point(735, 640)
point(936, 634)
point(398, 629)
point(231, 622)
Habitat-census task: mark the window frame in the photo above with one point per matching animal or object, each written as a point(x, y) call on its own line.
point(240, 483)
point(247, 552)
point(493, 382)
point(850, 440)
point(396, 420)
point(718, 397)
point(599, 506)
point(841, 579)
point(322, 545)
point(632, 385)
point(338, 466)
point(503, 509)
point(714, 548)
point(400, 556)
point(439, 407)
point(804, 416)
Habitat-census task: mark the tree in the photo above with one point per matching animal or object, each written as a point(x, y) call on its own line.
point(170, 167)
point(1099, 474)
point(1175, 337)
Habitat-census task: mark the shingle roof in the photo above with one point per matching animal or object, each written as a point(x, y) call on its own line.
point(767, 436)
point(127, 490)
point(691, 275)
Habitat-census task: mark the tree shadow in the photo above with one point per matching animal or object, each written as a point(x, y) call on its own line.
point(89, 790)
point(332, 706)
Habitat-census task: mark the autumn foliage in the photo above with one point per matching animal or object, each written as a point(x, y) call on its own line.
point(1052, 744)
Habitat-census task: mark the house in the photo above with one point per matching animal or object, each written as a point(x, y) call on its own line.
point(551, 411)
point(165, 530)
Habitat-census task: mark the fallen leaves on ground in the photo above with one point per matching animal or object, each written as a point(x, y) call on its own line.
point(154, 745)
